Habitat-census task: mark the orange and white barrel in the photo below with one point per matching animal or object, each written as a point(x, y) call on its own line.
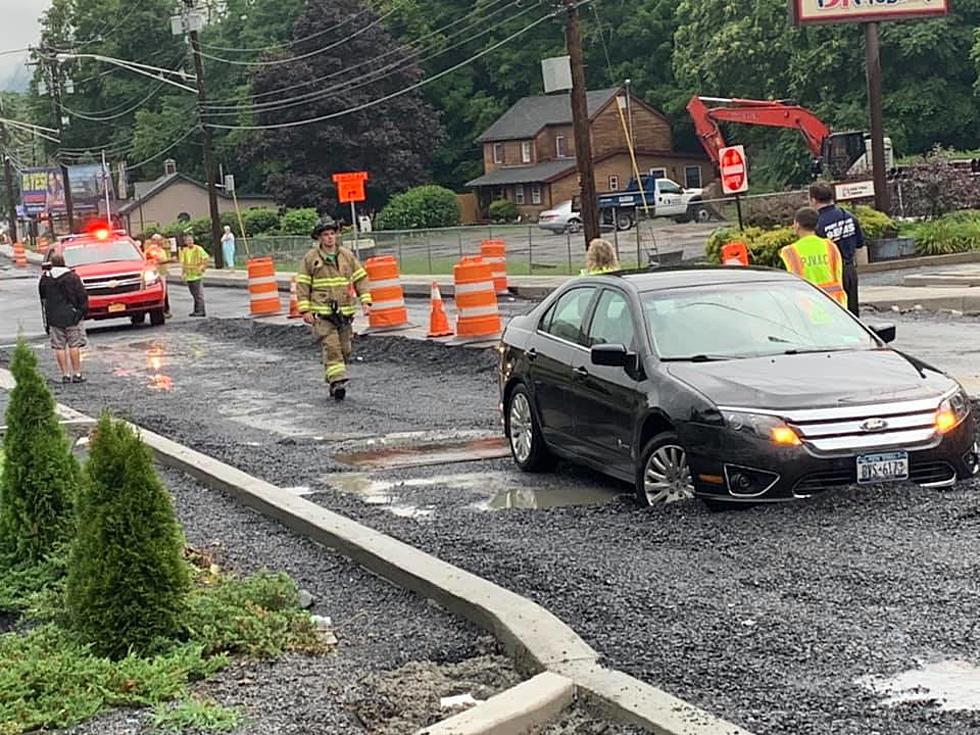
point(494, 252)
point(263, 287)
point(387, 297)
point(476, 299)
point(20, 255)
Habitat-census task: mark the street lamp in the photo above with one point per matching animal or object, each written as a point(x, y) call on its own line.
point(144, 69)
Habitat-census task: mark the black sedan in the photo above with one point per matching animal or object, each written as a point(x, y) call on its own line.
point(736, 385)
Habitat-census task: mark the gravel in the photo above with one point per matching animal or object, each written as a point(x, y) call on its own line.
point(766, 617)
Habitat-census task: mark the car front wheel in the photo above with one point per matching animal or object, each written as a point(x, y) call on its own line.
point(663, 475)
point(526, 443)
point(158, 317)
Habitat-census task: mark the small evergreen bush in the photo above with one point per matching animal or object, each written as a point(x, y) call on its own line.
point(127, 580)
point(502, 211)
point(298, 222)
point(420, 208)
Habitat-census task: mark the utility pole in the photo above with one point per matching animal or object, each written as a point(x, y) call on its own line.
point(873, 67)
point(209, 167)
point(8, 177)
point(49, 55)
point(589, 207)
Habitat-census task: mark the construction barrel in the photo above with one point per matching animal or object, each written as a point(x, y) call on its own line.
point(476, 299)
point(494, 252)
point(20, 255)
point(735, 253)
point(263, 288)
point(388, 299)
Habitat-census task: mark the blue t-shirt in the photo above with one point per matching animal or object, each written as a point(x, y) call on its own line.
point(842, 227)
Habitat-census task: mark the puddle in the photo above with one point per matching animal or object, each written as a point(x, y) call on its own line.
point(952, 684)
point(389, 458)
point(529, 498)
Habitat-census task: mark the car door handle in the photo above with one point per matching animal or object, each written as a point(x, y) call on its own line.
point(532, 354)
point(581, 372)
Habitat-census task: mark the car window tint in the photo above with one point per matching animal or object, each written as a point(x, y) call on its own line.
point(569, 314)
point(546, 319)
point(612, 323)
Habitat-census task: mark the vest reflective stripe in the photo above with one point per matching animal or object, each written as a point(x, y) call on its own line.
point(818, 261)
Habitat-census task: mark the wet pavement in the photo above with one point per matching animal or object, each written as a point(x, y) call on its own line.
point(771, 617)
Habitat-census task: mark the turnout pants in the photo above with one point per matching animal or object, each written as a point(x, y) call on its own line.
point(336, 346)
point(851, 288)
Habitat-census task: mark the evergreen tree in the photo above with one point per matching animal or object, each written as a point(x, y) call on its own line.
point(127, 580)
point(40, 475)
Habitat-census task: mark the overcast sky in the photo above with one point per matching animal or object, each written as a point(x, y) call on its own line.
point(18, 28)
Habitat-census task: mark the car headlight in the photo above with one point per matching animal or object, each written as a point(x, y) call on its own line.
point(150, 276)
point(770, 428)
point(952, 411)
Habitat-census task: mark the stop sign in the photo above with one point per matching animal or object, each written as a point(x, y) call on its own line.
point(731, 165)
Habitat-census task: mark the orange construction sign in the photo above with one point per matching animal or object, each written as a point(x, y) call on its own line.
point(350, 186)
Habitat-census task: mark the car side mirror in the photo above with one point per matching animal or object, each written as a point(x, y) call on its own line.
point(610, 356)
point(885, 332)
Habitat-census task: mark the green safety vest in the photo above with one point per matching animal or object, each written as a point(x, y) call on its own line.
point(193, 262)
point(818, 261)
point(597, 271)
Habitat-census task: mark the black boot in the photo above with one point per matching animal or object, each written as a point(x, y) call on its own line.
point(339, 390)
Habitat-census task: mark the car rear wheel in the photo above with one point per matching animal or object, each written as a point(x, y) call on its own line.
point(157, 318)
point(574, 226)
point(527, 446)
point(663, 475)
point(137, 319)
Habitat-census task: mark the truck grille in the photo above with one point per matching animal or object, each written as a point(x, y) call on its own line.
point(113, 285)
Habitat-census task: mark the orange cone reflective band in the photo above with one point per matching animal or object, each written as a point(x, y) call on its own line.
point(263, 290)
point(293, 301)
point(735, 253)
point(20, 255)
point(387, 298)
point(438, 321)
point(494, 252)
point(476, 300)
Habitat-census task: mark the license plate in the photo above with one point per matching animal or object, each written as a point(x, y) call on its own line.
point(890, 467)
point(113, 308)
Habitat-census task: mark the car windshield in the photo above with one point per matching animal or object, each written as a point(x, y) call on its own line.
point(749, 320)
point(107, 252)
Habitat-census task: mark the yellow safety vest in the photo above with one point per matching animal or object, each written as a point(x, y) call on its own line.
point(597, 271)
point(818, 261)
point(193, 262)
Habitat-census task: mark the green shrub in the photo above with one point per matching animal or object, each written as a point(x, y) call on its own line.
point(127, 580)
point(258, 221)
point(875, 225)
point(298, 221)
point(947, 235)
point(40, 476)
point(502, 211)
point(195, 714)
point(420, 208)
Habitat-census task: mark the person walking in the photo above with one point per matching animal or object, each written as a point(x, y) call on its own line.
point(228, 247)
point(600, 258)
point(157, 252)
point(843, 228)
point(814, 258)
point(64, 302)
point(193, 264)
point(329, 284)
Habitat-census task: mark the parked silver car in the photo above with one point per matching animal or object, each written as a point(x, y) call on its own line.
point(560, 219)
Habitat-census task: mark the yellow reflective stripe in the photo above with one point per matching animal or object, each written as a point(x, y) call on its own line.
point(366, 298)
point(330, 283)
point(334, 370)
point(318, 309)
point(303, 305)
point(348, 310)
point(358, 275)
point(304, 279)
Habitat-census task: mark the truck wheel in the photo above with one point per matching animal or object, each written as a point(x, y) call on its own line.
point(138, 319)
point(157, 318)
point(624, 221)
point(699, 214)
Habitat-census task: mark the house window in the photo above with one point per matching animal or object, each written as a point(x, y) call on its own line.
point(526, 151)
point(561, 149)
point(519, 193)
point(498, 152)
point(535, 193)
point(658, 173)
point(692, 177)
point(613, 183)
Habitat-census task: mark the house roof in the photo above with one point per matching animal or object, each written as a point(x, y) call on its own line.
point(531, 114)
point(145, 190)
point(540, 173)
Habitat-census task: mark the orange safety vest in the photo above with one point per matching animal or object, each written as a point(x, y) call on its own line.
point(818, 261)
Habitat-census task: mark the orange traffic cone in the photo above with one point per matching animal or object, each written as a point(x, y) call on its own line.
point(293, 301)
point(438, 321)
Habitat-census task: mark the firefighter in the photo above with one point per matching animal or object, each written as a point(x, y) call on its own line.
point(814, 258)
point(329, 283)
point(158, 253)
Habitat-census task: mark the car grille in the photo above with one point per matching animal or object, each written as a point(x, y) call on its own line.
point(112, 285)
point(921, 473)
point(846, 430)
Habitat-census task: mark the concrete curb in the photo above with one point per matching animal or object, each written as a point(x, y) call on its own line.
point(536, 638)
point(532, 703)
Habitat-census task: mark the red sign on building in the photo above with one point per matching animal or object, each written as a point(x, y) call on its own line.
point(731, 166)
point(350, 186)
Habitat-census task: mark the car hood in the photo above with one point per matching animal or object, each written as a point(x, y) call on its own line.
point(814, 380)
point(116, 267)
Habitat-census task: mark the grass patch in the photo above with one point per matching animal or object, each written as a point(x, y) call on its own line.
point(197, 714)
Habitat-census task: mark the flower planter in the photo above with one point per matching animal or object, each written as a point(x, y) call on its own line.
point(891, 248)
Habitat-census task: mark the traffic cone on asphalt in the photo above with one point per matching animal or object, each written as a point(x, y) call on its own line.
point(293, 301)
point(438, 321)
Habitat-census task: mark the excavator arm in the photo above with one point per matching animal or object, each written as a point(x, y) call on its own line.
point(753, 112)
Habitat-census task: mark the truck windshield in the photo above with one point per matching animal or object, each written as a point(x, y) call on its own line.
point(106, 252)
point(749, 320)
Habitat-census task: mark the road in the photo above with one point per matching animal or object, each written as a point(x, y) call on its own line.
point(789, 620)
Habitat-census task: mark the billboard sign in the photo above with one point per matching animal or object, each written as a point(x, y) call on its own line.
point(804, 12)
point(43, 189)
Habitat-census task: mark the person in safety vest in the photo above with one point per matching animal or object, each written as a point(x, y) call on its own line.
point(600, 258)
point(814, 258)
point(157, 252)
point(193, 263)
point(329, 284)
point(843, 228)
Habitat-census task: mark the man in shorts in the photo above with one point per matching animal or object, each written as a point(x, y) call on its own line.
point(65, 305)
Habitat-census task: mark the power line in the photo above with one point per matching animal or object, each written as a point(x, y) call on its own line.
point(290, 44)
point(400, 50)
point(401, 92)
point(105, 117)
